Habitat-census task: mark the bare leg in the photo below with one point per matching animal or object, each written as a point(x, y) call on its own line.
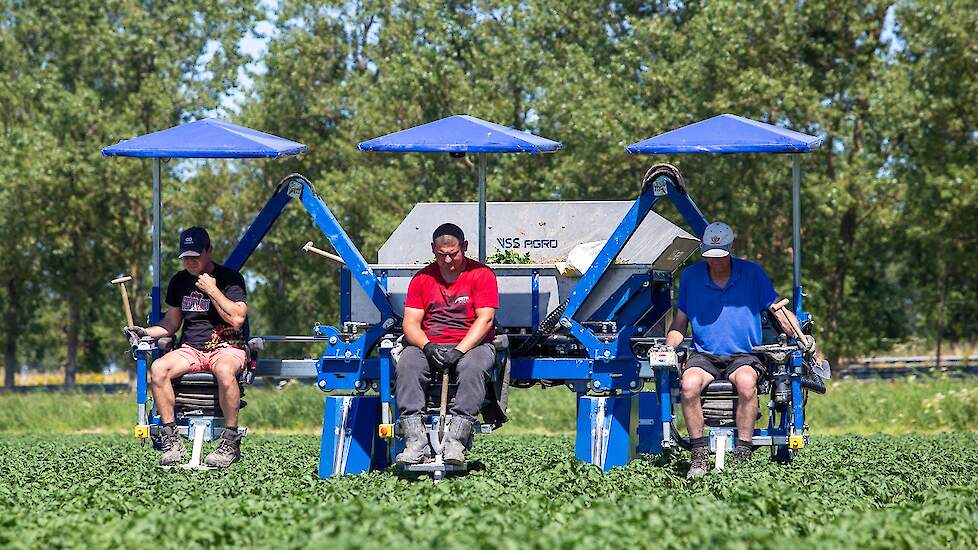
point(226, 371)
point(745, 380)
point(693, 382)
point(162, 372)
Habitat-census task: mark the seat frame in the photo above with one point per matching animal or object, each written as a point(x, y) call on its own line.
point(432, 417)
point(201, 427)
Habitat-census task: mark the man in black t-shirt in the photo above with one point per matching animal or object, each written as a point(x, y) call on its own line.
point(208, 300)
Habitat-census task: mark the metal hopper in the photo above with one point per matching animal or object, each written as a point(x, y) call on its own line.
point(547, 231)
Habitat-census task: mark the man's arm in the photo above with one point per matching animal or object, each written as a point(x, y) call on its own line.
point(168, 325)
point(787, 319)
point(677, 330)
point(233, 313)
point(484, 317)
point(412, 327)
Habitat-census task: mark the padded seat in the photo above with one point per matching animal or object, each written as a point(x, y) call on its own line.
point(720, 388)
point(196, 393)
point(719, 401)
point(198, 379)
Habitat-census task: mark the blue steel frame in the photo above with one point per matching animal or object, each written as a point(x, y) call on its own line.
point(611, 365)
point(348, 365)
point(344, 365)
point(345, 371)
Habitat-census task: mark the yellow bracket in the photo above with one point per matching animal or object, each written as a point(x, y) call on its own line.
point(141, 431)
point(796, 442)
point(385, 431)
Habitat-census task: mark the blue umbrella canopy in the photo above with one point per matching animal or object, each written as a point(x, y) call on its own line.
point(207, 138)
point(735, 134)
point(727, 134)
point(461, 134)
point(464, 134)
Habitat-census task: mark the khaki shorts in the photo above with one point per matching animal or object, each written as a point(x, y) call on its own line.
point(204, 361)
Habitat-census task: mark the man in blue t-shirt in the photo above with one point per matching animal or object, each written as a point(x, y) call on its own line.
point(722, 298)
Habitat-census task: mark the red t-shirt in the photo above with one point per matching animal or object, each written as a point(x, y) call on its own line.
point(449, 309)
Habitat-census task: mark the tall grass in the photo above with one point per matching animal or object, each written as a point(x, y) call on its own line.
point(912, 405)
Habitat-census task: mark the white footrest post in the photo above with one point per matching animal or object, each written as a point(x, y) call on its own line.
point(721, 441)
point(198, 430)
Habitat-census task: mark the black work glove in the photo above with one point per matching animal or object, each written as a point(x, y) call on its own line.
point(451, 357)
point(433, 353)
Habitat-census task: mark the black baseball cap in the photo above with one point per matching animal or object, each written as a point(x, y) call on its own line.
point(193, 241)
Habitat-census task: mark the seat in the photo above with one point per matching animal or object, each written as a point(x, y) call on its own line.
point(493, 410)
point(719, 398)
point(196, 393)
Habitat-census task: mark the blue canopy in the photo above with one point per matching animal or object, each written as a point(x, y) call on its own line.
point(461, 134)
point(207, 138)
point(727, 134)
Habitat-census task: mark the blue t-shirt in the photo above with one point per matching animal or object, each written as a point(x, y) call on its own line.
point(726, 320)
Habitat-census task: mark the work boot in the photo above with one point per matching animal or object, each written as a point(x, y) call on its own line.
point(416, 448)
point(228, 452)
point(740, 455)
point(700, 463)
point(172, 446)
point(456, 436)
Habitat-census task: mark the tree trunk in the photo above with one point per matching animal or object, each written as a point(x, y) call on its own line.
point(10, 334)
point(836, 286)
point(941, 313)
point(74, 329)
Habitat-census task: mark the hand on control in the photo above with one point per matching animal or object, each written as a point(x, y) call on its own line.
point(808, 342)
point(135, 333)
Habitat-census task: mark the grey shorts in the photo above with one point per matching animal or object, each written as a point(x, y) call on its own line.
point(720, 367)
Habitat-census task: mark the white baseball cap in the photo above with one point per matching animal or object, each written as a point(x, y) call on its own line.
point(717, 240)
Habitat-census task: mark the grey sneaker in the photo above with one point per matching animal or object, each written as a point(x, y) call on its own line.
point(228, 452)
point(456, 436)
point(740, 455)
point(172, 446)
point(700, 463)
point(416, 448)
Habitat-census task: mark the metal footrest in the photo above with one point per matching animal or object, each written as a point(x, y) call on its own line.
point(437, 469)
point(431, 467)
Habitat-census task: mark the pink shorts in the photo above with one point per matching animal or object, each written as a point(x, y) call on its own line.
point(203, 361)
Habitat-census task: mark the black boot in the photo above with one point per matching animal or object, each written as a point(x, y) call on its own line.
point(742, 453)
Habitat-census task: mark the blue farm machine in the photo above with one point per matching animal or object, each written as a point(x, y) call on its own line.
point(598, 332)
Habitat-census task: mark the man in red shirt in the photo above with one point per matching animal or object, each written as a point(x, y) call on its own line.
point(448, 319)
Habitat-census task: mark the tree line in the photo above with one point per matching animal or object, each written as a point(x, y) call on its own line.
point(888, 201)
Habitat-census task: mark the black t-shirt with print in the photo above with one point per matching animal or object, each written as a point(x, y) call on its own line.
point(203, 327)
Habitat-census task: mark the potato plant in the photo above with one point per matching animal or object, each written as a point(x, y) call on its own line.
point(523, 491)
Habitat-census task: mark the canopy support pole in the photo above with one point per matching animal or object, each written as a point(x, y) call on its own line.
point(482, 207)
point(157, 232)
point(796, 229)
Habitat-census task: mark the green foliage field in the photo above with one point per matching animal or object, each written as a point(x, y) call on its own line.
point(525, 491)
point(862, 407)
